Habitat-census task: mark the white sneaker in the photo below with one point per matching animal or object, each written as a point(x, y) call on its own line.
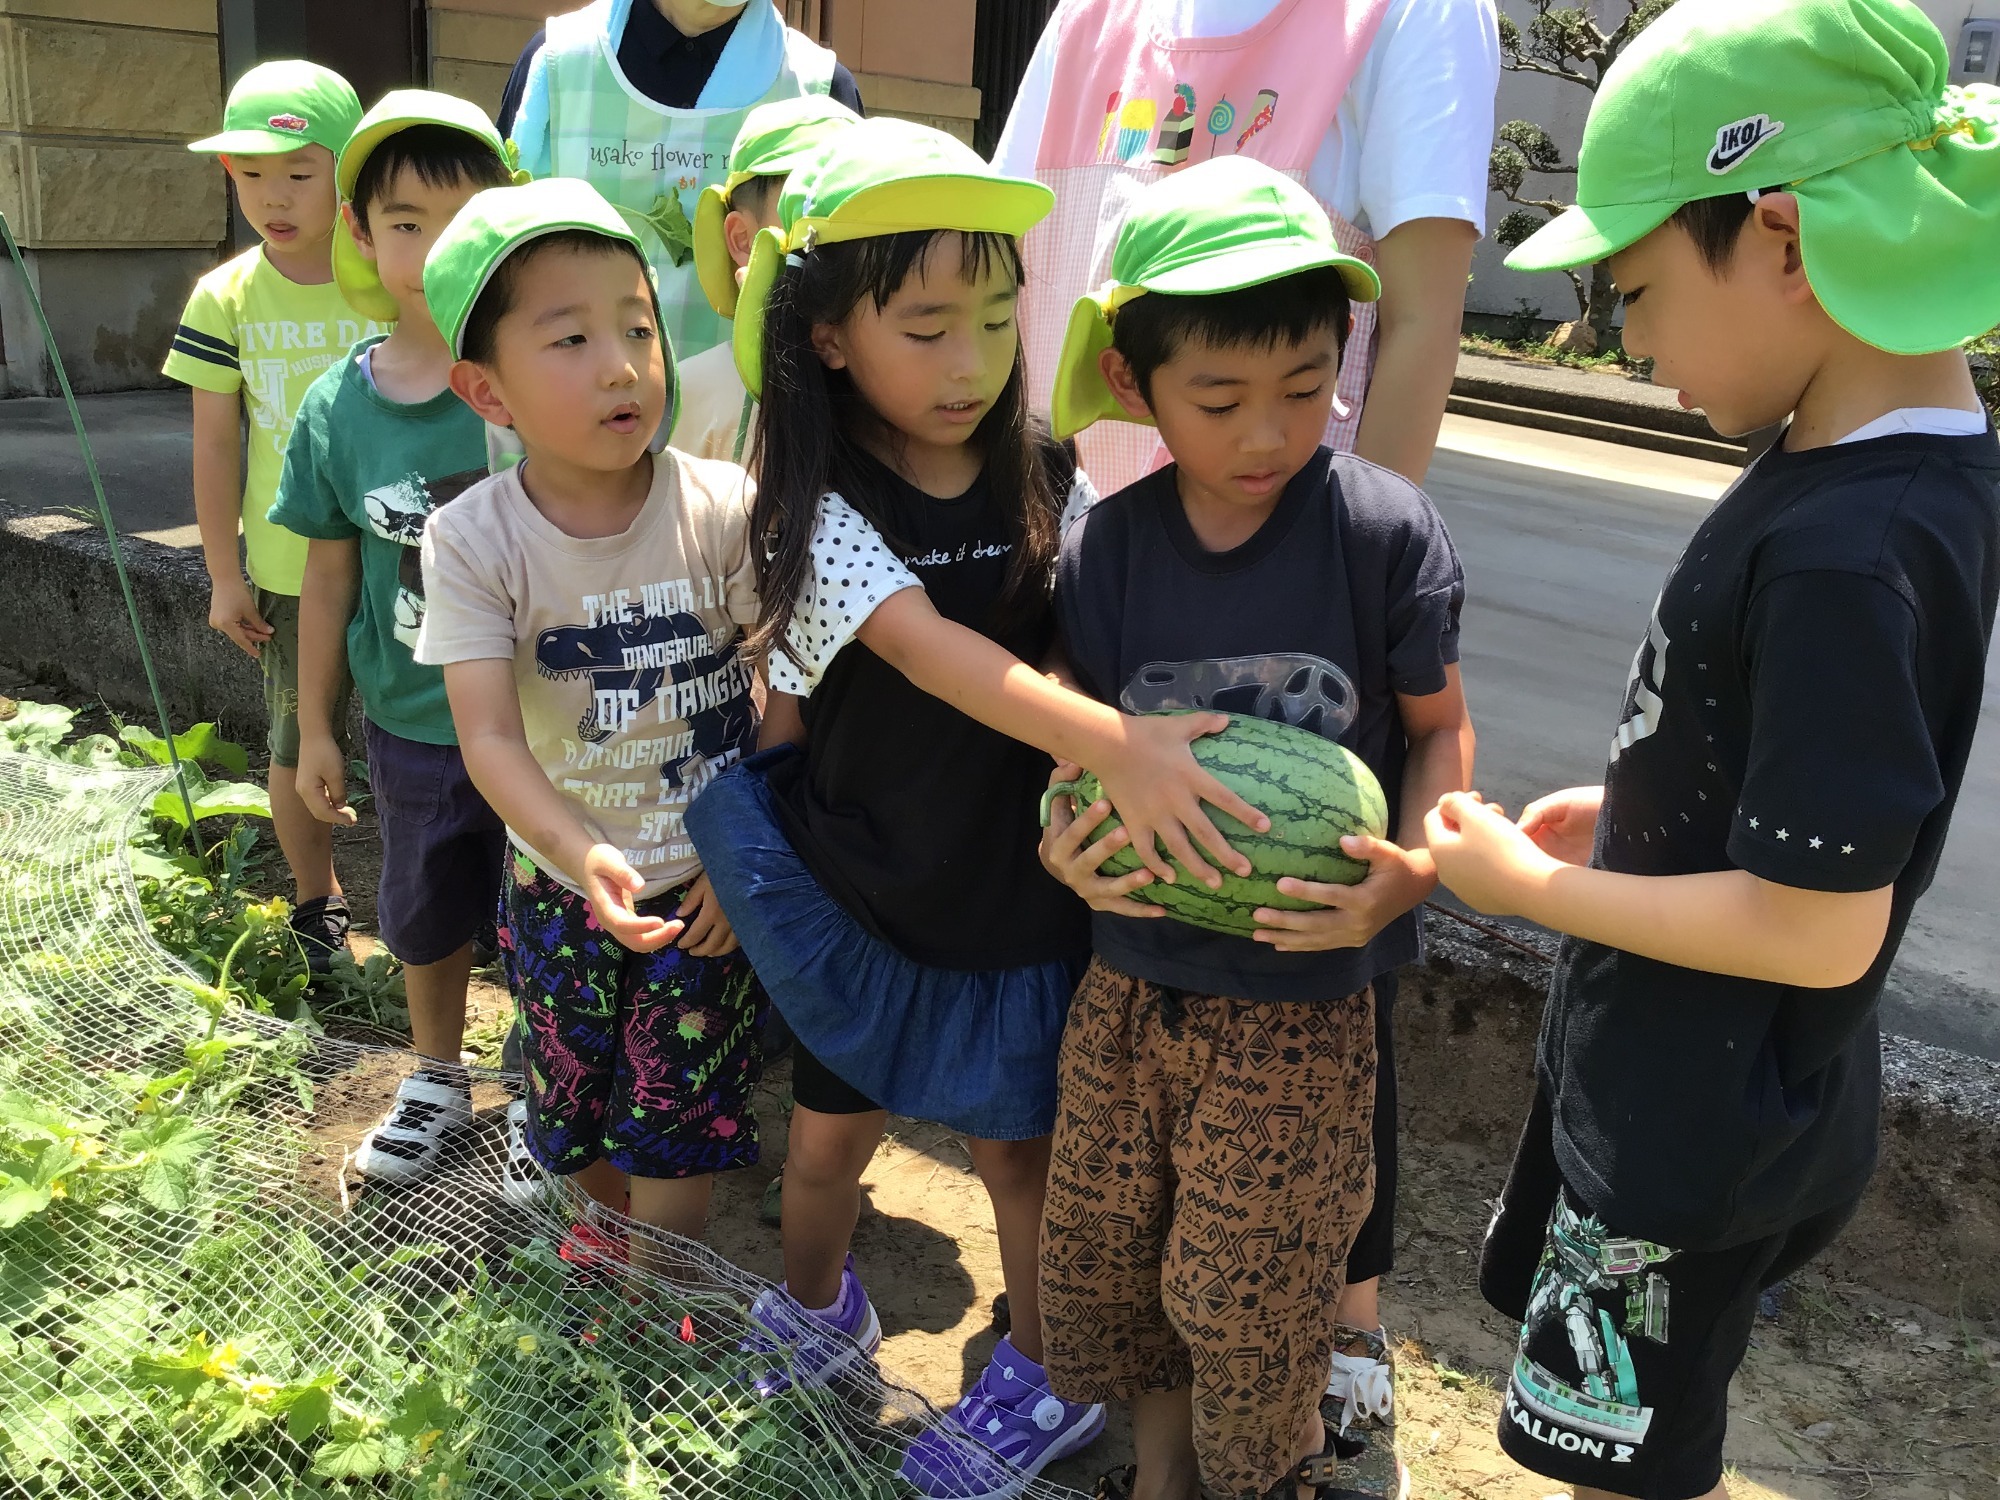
point(430, 1107)
point(522, 1180)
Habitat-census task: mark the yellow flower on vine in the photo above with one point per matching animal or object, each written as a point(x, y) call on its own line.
point(58, 1189)
point(86, 1149)
point(260, 1391)
point(527, 1343)
point(220, 1363)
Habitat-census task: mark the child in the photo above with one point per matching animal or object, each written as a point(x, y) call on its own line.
point(716, 410)
point(1212, 1153)
point(1797, 723)
point(885, 880)
point(586, 606)
point(381, 441)
point(258, 330)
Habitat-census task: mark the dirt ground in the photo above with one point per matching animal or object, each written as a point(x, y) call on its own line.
point(1847, 1394)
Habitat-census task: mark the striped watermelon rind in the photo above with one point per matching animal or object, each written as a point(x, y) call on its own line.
point(1315, 793)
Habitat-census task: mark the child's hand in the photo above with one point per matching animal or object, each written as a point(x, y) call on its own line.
point(1067, 856)
point(610, 884)
point(1564, 823)
point(321, 780)
point(708, 933)
point(1397, 880)
point(1489, 863)
point(232, 609)
point(1158, 788)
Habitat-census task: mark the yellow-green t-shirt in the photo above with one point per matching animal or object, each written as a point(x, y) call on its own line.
point(249, 328)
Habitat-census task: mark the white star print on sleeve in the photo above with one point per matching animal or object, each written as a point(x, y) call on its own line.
point(853, 571)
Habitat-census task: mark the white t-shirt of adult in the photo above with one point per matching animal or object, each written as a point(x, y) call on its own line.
point(1410, 140)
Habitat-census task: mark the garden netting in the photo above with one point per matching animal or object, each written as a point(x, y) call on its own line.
point(192, 1304)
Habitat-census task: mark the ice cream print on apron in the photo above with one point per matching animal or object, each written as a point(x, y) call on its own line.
point(1126, 106)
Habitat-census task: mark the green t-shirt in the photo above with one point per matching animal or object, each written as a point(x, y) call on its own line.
point(250, 329)
point(360, 465)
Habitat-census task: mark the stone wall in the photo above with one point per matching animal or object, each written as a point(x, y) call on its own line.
point(98, 99)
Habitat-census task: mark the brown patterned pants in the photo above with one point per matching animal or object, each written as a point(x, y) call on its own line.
point(1212, 1163)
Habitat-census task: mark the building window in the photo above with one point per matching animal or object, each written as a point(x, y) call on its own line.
point(1978, 51)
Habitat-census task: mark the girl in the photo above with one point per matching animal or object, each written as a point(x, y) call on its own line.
point(881, 869)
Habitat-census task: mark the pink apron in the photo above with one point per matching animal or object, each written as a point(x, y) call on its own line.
point(1126, 106)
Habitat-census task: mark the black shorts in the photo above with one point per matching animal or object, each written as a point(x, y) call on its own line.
point(823, 1091)
point(1621, 1381)
point(442, 848)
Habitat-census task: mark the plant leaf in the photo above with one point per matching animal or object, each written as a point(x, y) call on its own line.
point(351, 1453)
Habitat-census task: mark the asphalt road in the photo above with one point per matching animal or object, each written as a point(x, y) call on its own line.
point(1565, 544)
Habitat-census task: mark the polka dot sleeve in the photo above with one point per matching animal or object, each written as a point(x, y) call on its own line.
point(1082, 495)
point(853, 571)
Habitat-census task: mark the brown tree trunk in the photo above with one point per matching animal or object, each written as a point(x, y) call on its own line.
point(1603, 301)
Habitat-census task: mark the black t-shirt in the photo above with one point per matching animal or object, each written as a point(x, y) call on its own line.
point(1353, 565)
point(1801, 707)
point(661, 62)
point(919, 820)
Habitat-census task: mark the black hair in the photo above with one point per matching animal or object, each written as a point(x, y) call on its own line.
point(754, 194)
point(812, 423)
point(1150, 330)
point(441, 156)
point(1715, 225)
point(496, 298)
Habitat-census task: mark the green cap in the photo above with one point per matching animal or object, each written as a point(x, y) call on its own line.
point(880, 177)
point(774, 139)
point(1226, 224)
point(497, 222)
point(1841, 102)
point(280, 106)
point(397, 110)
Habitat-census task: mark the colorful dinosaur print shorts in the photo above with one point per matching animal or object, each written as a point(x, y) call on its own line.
point(645, 1060)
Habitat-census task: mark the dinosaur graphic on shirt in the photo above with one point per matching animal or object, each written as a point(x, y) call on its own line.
point(397, 512)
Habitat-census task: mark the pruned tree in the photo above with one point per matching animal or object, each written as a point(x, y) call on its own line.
point(1569, 43)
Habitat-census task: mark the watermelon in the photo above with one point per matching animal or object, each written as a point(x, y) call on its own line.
point(1314, 792)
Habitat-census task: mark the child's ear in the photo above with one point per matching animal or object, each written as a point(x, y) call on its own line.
point(828, 346)
point(361, 240)
point(1118, 374)
point(1776, 221)
point(740, 230)
point(474, 385)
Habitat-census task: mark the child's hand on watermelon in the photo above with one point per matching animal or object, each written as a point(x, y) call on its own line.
point(610, 884)
point(1565, 823)
point(1158, 789)
point(1398, 880)
point(1070, 853)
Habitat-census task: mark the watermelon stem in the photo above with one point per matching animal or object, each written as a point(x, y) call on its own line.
point(1060, 789)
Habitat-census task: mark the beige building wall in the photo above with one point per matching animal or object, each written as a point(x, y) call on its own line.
point(98, 100)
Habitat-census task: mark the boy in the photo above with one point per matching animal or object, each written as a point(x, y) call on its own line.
point(258, 330)
point(1796, 726)
point(380, 442)
point(1224, 326)
point(716, 410)
point(587, 606)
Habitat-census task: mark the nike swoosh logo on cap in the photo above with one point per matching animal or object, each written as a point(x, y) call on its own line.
point(1735, 141)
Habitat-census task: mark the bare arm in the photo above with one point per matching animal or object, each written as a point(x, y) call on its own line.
point(1148, 773)
point(1723, 922)
point(326, 606)
point(1423, 264)
point(218, 512)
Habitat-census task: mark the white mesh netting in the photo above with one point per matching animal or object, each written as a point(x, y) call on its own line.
point(191, 1305)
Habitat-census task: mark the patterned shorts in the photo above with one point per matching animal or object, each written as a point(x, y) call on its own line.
point(1212, 1163)
point(644, 1060)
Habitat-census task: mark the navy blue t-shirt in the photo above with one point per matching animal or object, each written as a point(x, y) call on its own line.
point(1802, 708)
point(1353, 566)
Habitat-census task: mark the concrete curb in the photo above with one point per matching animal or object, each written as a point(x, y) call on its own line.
point(62, 621)
point(1928, 1229)
point(1611, 408)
